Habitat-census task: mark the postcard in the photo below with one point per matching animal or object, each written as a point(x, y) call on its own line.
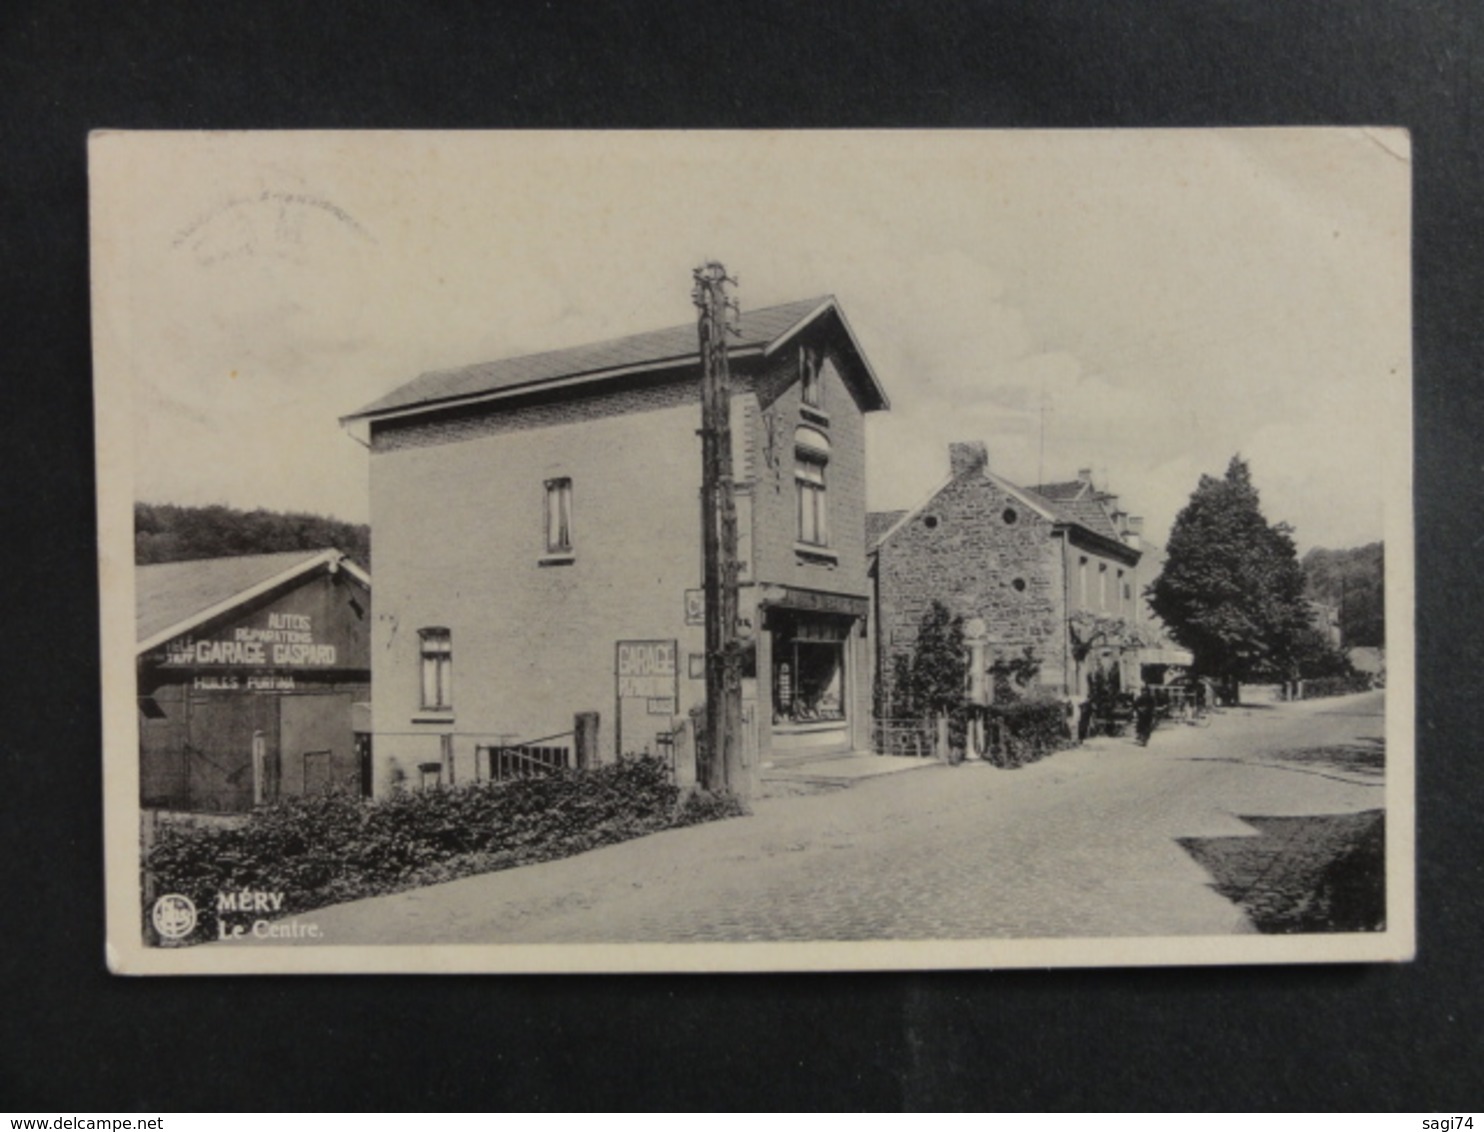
point(754, 551)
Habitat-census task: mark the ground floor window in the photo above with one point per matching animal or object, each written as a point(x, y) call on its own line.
point(809, 668)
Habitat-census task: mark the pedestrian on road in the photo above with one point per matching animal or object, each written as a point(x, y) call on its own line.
point(1144, 716)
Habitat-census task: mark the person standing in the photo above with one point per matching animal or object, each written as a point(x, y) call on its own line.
point(1144, 716)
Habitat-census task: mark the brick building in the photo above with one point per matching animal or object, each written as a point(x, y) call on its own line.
point(1053, 569)
point(538, 546)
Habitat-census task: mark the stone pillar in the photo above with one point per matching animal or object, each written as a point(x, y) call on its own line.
point(585, 739)
point(976, 634)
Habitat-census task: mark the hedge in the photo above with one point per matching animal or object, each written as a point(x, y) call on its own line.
point(1322, 686)
point(327, 848)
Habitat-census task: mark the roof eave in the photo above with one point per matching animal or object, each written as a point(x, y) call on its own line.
point(877, 393)
point(1132, 554)
point(332, 558)
point(660, 365)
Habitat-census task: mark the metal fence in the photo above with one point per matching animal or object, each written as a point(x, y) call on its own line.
point(913, 738)
point(505, 761)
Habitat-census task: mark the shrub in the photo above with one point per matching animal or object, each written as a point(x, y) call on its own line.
point(1029, 729)
point(325, 848)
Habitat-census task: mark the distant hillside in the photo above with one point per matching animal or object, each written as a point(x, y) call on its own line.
point(1354, 582)
point(165, 532)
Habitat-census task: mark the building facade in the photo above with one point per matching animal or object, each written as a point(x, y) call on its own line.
point(1052, 574)
point(253, 679)
point(538, 543)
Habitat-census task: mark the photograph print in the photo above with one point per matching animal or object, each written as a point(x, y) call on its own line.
point(726, 551)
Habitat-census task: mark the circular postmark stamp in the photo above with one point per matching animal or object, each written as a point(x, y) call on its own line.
point(174, 916)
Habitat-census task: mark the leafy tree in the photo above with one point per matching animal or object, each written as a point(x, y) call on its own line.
point(1011, 677)
point(166, 532)
point(1232, 590)
point(940, 664)
point(1354, 582)
point(1314, 656)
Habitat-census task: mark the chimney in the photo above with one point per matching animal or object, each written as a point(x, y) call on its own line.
point(1084, 475)
point(1134, 531)
point(966, 456)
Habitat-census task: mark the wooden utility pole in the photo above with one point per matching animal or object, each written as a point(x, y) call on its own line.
point(721, 768)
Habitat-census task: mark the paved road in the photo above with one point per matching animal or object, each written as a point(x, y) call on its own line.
point(1080, 844)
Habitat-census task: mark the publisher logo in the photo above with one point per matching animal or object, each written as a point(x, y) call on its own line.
point(174, 916)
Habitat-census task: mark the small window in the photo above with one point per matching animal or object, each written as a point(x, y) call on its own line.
point(559, 516)
point(809, 381)
point(813, 516)
point(1010, 516)
point(1018, 585)
point(437, 668)
point(930, 521)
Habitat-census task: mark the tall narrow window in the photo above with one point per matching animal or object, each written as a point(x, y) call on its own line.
point(813, 517)
point(559, 516)
point(809, 377)
point(437, 668)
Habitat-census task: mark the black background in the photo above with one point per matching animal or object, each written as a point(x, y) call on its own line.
point(73, 1038)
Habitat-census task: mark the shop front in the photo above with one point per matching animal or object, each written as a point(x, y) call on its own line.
point(813, 672)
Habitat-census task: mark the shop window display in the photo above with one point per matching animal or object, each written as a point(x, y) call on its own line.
point(809, 672)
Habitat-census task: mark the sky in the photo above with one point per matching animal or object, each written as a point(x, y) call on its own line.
point(1142, 303)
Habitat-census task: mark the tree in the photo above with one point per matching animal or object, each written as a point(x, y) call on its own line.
point(1354, 582)
point(940, 666)
point(166, 532)
point(1232, 589)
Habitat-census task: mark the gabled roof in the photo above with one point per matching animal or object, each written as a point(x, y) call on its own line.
point(761, 332)
point(1088, 511)
point(172, 598)
point(1081, 503)
point(1085, 513)
point(1071, 489)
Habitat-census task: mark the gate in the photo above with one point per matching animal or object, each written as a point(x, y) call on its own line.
point(501, 762)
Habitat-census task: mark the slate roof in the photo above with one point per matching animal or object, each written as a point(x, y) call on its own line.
point(1059, 491)
point(677, 345)
point(1088, 512)
point(167, 594)
point(878, 523)
point(1080, 503)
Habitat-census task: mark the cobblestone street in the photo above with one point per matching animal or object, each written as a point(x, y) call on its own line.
point(1083, 843)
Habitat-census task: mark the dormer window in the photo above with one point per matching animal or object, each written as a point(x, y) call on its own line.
point(809, 382)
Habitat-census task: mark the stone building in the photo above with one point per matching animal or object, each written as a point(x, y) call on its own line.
point(1053, 570)
point(538, 546)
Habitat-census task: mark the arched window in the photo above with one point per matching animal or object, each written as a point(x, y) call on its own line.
point(812, 456)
